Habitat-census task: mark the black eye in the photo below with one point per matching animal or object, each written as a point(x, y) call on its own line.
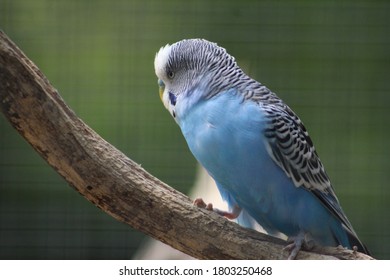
point(170, 74)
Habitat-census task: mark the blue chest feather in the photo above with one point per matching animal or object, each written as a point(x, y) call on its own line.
point(226, 135)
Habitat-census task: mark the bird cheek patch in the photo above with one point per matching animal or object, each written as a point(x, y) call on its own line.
point(172, 98)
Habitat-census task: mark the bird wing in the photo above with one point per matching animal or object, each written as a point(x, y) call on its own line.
point(290, 146)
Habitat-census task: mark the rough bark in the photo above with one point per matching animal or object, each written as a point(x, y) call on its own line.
point(116, 184)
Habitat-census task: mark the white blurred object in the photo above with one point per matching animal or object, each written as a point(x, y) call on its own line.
point(205, 188)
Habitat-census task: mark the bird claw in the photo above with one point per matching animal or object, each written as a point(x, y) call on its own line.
point(201, 204)
point(230, 215)
point(300, 241)
point(294, 249)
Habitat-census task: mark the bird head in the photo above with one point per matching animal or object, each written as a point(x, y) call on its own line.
point(190, 70)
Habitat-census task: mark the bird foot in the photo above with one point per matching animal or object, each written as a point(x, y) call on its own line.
point(300, 241)
point(230, 215)
point(201, 204)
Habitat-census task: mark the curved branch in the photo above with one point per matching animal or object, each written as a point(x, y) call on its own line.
point(115, 183)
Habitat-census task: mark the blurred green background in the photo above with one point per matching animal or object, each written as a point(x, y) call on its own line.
point(329, 60)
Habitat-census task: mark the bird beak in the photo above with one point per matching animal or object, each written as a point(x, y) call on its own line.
point(161, 88)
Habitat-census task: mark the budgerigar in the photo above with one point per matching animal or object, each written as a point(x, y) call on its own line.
point(253, 145)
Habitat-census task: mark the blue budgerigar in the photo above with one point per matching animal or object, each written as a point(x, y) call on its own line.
point(253, 145)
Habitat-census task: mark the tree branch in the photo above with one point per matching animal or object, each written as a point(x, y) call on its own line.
point(115, 183)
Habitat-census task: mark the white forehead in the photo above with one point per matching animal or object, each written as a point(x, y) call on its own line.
point(161, 59)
